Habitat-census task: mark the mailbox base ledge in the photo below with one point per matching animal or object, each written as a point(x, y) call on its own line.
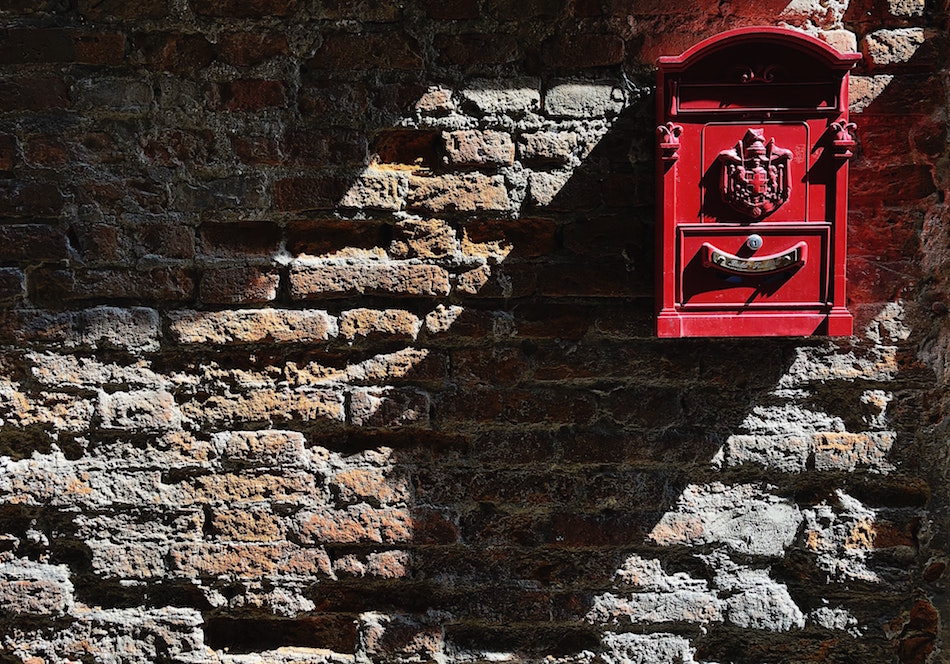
point(837, 323)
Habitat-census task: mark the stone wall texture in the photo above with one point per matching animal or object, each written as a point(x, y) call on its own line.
point(326, 336)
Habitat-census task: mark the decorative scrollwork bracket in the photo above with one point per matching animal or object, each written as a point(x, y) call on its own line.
point(842, 139)
point(669, 134)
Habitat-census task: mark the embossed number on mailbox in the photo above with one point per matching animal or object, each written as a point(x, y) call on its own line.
point(753, 143)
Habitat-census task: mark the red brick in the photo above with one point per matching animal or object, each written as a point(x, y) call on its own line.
point(519, 10)
point(607, 279)
point(605, 236)
point(165, 238)
point(371, 11)
point(122, 10)
point(584, 51)
point(12, 284)
point(520, 238)
point(247, 94)
point(890, 185)
point(326, 236)
point(370, 278)
point(388, 408)
point(468, 192)
point(45, 150)
point(605, 529)
point(319, 147)
point(309, 193)
point(161, 284)
point(367, 51)
point(889, 234)
point(242, 284)
point(239, 238)
point(408, 146)
point(177, 147)
point(8, 152)
point(476, 48)
point(172, 51)
point(33, 94)
point(451, 9)
point(872, 280)
point(243, 49)
point(39, 199)
point(498, 281)
point(99, 147)
point(479, 148)
point(330, 103)
point(32, 243)
point(34, 45)
point(99, 243)
point(257, 150)
point(244, 8)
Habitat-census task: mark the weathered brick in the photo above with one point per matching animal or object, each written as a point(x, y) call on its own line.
point(241, 238)
point(171, 51)
point(8, 152)
point(251, 326)
point(33, 94)
point(387, 637)
point(243, 49)
point(250, 561)
point(257, 150)
point(162, 284)
point(238, 284)
point(12, 284)
point(377, 11)
point(309, 193)
point(164, 238)
point(422, 239)
point(320, 147)
point(583, 100)
point(378, 189)
point(509, 239)
point(355, 524)
point(121, 95)
point(469, 192)
point(451, 9)
point(142, 410)
point(412, 147)
point(328, 236)
point(328, 102)
point(476, 48)
point(119, 10)
point(266, 405)
point(176, 147)
point(892, 47)
point(370, 278)
point(374, 323)
point(244, 8)
point(222, 194)
point(246, 525)
point(367, 51)
point(35, 589)
point(548, 147)
point(586, 50)
point(247, 94)
point(33, 199)
point(504, 96)
point(42, 45)
point(270, 447)
point(479, 148)
point(388, 407)
point(45, 150)
point(32, 243)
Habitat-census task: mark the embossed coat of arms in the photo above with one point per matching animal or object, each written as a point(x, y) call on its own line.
point(755, 178)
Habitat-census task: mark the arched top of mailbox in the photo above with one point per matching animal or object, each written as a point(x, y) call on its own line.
point(769, 37)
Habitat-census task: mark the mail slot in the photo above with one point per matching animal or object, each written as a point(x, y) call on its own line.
point(754, 141)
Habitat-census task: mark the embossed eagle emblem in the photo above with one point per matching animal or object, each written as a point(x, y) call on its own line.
point(755, 178)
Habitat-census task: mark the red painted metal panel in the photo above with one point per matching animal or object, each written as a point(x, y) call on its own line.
point(752, 161)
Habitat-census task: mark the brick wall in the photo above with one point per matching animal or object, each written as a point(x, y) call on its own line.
point(327, 337)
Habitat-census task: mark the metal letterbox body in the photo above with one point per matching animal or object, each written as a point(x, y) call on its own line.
point(752, 162)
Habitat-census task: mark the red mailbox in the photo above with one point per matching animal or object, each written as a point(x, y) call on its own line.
point(752, 163)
